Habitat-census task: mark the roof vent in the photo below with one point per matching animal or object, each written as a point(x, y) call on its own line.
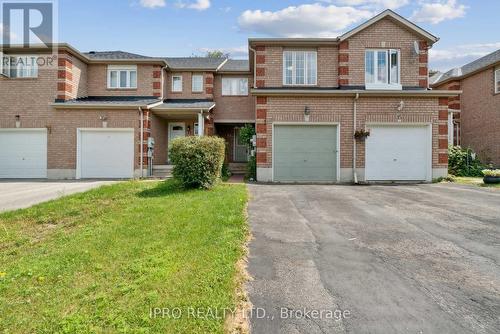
point(92, 52)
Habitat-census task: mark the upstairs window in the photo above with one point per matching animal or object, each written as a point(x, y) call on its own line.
point(197, 83)
point(382, 69)
point(497, 81)
point(177, 83)
point(235, 86)
point(299, 68)
point(19, 66)
point(122, 77)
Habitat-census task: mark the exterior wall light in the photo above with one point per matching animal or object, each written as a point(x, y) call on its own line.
point(18, 121)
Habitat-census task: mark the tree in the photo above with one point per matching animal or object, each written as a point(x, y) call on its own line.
point(217, 54)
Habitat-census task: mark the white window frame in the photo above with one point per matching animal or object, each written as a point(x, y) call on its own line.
point(497, 81)
point(7, 70)
point(193, 88)
point(122, 68)
point(294, 61)
point(238, 79)
point(173, 88)
point(383, 85)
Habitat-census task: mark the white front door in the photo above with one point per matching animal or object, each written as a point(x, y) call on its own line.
point(175, 130)
point(398, 153)
point(23, 153)
point(105, 153)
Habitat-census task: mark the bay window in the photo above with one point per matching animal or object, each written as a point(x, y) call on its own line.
point(235, 86)
point(382, 69)
point(299, 68)
point(122, 77)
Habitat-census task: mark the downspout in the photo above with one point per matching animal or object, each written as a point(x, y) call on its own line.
point(141, 164)
point(354, 148)
point(254, 66)
point(163, 69)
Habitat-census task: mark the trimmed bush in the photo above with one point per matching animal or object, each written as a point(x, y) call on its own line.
point(460, 162)
point(491, 172)
point(197, 160)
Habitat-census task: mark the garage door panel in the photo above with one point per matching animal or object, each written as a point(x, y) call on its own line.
point(398, 153)
point(305, 153)
point(107, 154)
point(23, 153)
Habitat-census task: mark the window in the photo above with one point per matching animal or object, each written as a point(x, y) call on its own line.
point(382, 69)
point(177, 83)
point(497, 81)
point(299, 68)
point(122, 77)
point(20, 66)
point(234, 86)
point(197, 83)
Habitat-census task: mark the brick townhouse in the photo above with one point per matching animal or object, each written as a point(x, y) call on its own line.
point(475, 120)
point(92, 116)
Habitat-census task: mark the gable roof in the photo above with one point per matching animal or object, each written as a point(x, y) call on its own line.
point(470, 68)
point(194, 63)
point(396, 17)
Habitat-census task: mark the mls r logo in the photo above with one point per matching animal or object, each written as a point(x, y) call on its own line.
point(27, 23)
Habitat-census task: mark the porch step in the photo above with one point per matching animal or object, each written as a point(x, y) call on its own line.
point(162, 171)
point(238, 168)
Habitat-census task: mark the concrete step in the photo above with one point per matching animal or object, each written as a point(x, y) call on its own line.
point(238, 168)
point(162, 171)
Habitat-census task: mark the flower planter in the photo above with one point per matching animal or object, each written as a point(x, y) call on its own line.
point(491, 179)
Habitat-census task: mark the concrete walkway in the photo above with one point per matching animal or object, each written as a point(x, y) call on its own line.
point(22, 194)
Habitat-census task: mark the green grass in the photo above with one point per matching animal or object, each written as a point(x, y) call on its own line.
point(475, 181)
point(97, 262)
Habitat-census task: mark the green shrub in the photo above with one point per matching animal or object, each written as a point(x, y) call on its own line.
point(246, 134)
point(225, 172)
point(461, 163)
point(251, 173)
point(491, 172)
point(197, 160)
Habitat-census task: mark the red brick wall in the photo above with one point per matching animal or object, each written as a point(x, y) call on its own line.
point(233, 108)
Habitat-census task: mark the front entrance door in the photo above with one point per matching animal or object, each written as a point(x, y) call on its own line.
point(240, 148)
point(175, 130)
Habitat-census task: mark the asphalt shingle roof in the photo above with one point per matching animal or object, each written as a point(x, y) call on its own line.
point(236, 65)
point(115, 55)
point(114, 100)
point(474, 66)
point(186, 104)
point(200, 63)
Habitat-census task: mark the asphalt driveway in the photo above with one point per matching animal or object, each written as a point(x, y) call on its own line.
point(22, 194)
point(374, 259)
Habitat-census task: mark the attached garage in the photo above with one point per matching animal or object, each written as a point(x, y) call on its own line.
point(105, 153)
point(23, 153)
point(305, 153)
point(399, 153)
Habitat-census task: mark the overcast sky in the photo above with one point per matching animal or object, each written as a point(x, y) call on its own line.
point(468, 28)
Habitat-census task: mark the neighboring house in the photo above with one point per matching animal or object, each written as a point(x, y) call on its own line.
point(92, 116)
point(476, 112)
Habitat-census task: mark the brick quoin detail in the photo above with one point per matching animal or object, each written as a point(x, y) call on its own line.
point(443, 115)
point(64, 74)
point(443, 143)
point(344, 70)
point(423, 58)
point(209, 90)
point(443, 101)
point(443, 158)
point(423, 83)
point(156, 74)
point(157, 85)
point(65, 62)
point(64, 87)
point(344, 45)
point(260, 48)
point(261, 157)
point(343, 82)
point(209, 80)
point(261, 100)
point(261, 113)
point(261, 128)
point(343, 57)
point(260, 83)
point(260, 71)
point(443, 129)
point(260, 59)
point(422, 70)
point(261, 142)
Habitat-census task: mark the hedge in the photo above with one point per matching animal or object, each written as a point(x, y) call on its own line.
point(197, 160)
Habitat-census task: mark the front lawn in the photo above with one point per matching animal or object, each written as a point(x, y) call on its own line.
point(100, 261)
point(475, 181)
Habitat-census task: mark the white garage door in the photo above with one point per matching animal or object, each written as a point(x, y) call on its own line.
point(106, 153)
point(23, 153)
point(398, 153)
